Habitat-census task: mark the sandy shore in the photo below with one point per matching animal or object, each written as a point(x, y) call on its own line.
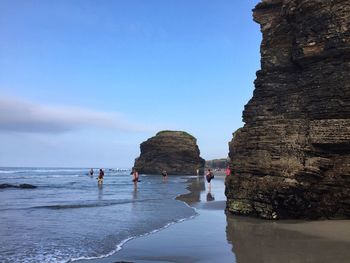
point(213, 236)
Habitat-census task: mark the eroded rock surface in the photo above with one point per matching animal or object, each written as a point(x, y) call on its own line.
point(176, 152)
point(293, 153)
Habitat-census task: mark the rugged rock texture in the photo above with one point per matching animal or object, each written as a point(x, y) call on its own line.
point(174, 151)
point(293, 153)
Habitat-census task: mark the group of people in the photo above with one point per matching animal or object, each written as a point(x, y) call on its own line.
point(100, 176)
point(135, 175)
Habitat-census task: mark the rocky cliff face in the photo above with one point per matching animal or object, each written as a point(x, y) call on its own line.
point(174, 151)
point(293, 153)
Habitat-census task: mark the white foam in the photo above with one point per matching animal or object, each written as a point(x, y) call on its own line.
point(8, 172)
point(123, 242)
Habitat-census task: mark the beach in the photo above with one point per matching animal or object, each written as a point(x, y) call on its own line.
point(213, 236)
point(109, 113)
point(67, 218)
point(201, 238)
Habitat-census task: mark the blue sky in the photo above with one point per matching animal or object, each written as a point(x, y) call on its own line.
point(83, 83)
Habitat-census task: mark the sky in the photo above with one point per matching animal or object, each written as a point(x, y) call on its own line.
point(83, 83)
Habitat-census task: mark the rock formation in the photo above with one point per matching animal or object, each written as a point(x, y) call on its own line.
point(293, 153)
point(22, 186)
point(174, 151)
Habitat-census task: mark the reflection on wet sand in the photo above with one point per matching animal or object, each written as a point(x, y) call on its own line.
point(195, 188)
point(134, 197)
point(210, 197)
point(134, 193)
point(100, 192)
point(255, 240)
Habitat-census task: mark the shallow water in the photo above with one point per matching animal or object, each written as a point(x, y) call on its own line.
point(214, 236)
point(68, 217)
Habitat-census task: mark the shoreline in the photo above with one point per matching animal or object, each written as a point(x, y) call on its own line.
point(171, 240)
point(214, 236)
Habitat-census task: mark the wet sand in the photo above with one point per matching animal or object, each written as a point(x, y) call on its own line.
point(213, 236)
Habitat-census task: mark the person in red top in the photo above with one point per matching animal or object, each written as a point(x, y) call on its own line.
point(228, 171)
point(135, 176)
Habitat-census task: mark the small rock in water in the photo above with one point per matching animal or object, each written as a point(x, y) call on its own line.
point(27, 186)
point(23, 186)
point(5, 186)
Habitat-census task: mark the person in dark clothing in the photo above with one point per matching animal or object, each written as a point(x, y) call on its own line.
point(209, 176)
point(165, 175)
point(100, 177)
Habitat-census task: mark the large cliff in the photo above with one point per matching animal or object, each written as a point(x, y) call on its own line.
point(174, 151)
point(293, 153)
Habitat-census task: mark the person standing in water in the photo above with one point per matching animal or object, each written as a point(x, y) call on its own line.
point(100, 177)
point(91, 172)
point(135, 176)
point(165, 175)
point(209, 176)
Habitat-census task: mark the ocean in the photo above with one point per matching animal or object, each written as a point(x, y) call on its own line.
point(68, 217)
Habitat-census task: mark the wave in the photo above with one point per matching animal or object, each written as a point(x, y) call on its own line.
point(40, 176)
point(99, 204)
point(37, 209)
point(71, 206)
point(26, 169)
point(42, 170)
point(8, 172)
point(58, 170)
point(123, 242)
point(75, 206)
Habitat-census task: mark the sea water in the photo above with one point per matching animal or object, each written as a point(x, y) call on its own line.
point(68, 217)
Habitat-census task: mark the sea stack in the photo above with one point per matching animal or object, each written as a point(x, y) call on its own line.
point(292, 157)
point(176, 152)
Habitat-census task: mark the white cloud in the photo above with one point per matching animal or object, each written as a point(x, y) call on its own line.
point(25, 116)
